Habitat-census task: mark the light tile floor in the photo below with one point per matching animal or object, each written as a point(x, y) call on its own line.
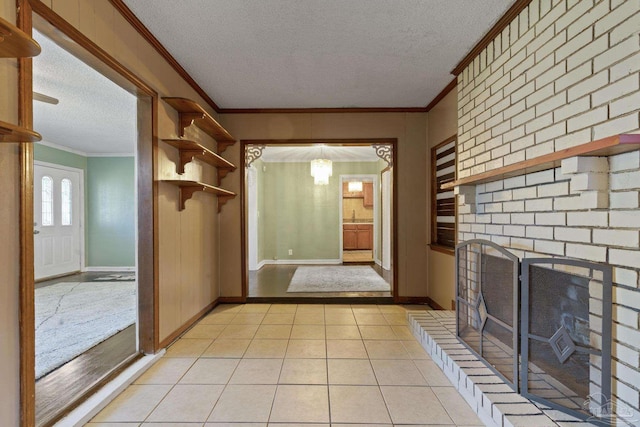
point(281, 365)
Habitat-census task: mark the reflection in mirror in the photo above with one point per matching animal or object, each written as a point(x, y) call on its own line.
point(318, 220)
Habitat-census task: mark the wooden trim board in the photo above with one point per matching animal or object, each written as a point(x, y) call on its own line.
point(502, 23)
point(127, 14)
point(189, 323)
point(27, 286)
point(444, 92)
point(608, 146)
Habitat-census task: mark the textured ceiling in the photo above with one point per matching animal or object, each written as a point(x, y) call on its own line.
point(319, 53)
point(289, 153)
point(94, 116)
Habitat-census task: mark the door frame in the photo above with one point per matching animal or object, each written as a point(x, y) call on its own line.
point(81, 203)
point(392, 142)
point(68, 37)
point(376, 220)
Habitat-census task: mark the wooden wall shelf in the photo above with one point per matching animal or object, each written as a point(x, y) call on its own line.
point(187, 188)
point(602, 147)
point(192, 113)
point(13, 133)
point(14, 43)
point(190, 149)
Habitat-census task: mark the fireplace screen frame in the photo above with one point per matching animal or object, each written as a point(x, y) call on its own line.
point(472, 306)
point(473, 310)
point(604, 397)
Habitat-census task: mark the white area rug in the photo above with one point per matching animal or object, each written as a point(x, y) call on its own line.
point(356, 278)
point(73, 317)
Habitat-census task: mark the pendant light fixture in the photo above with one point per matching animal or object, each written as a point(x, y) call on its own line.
point(321, 169)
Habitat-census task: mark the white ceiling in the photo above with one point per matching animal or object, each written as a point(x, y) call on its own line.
point(319, 53)
point(94, 116)
point(281, 153)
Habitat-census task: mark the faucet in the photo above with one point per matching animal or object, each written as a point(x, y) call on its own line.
point(353, 215)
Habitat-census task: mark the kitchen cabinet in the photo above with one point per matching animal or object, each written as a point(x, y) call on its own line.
point(357, 237)
point(365, 236)
point(367, 194)
point(350, 237)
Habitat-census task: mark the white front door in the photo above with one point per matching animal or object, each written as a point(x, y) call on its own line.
point(56, 201)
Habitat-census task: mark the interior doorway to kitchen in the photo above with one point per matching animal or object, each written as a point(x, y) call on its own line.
point(359, 210)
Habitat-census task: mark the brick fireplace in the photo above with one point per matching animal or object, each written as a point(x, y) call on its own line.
point(548, 153)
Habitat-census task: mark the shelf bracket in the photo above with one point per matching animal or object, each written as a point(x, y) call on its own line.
point(187, 119)
point(186, 156)
point(222, 145)
point(186, 193)
point(222, 173)
point(222, 200)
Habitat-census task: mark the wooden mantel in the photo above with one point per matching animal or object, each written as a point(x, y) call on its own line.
point(602, 147)
point(192, 113)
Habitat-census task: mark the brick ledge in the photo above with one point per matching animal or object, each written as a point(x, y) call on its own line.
point(495, 403)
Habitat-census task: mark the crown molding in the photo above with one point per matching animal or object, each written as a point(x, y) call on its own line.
point(502, 23)
point(444, 92)
point(322, 110)
point(153, 41)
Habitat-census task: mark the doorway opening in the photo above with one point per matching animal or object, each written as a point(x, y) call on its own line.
point(298, 215)
point(360, 219)
point(87, 254)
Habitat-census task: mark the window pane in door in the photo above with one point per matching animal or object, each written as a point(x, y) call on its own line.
point(47, 201)
point(65, 193)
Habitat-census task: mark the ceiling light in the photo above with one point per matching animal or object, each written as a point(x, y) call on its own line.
point(354, 186)
point(321, 170)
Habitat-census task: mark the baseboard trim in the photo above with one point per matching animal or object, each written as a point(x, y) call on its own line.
point(321, 300)
point(107, 269)
point(419, 300)
point(232, 300)
point(301, 261)
point(412, 300)
point(434, 304)
point(189, 323)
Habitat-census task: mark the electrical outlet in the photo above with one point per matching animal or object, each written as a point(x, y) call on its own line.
point(290, 251)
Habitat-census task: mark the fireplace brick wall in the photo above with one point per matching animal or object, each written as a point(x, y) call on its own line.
point(563, 73)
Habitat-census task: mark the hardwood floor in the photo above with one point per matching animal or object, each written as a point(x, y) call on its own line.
point(89, 276)
point(62, 389)
point(270, 283)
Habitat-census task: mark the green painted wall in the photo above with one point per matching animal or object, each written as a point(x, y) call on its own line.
point(111, 212)
point(109, 194)
point(47, 154)
point(296, 214)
